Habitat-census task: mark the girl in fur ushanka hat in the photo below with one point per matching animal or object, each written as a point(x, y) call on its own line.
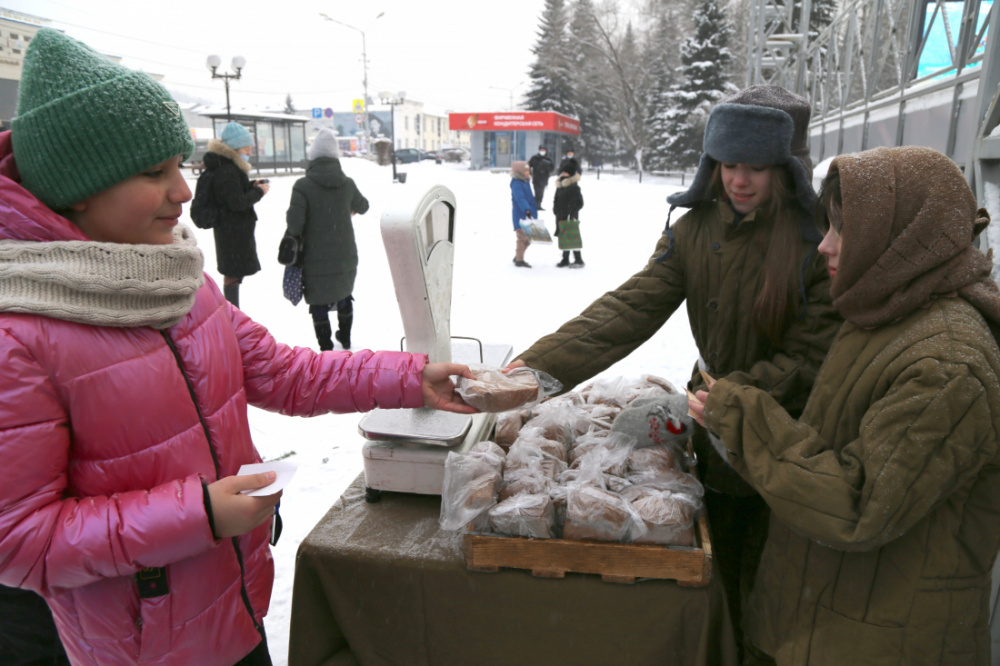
point(744, 262)
point(125, 380)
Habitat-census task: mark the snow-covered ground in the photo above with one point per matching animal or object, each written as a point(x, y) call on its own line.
point(492, 300)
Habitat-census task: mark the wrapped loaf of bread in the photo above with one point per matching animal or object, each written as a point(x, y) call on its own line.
point(494, 391)
point(652, 460)
point(509, 425)
point(669, 517)
point(592, 513)
point(524, 515)
point(524, 481)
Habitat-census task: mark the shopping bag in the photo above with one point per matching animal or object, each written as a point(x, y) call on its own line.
point(569, 235)
point(292, 284)
point(536, 231)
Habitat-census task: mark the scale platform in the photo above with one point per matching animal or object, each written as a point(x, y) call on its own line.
point(406, 448)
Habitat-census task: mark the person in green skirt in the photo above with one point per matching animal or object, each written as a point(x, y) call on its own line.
point(566, 205)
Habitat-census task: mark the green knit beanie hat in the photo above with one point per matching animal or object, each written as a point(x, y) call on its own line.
point(85, 123)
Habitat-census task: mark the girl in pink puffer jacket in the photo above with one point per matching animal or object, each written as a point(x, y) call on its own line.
point(125, 378)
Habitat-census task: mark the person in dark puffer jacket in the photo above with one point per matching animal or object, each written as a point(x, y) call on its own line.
point(125, 378)
point(567, 204)
point(320, 214)
point(234, 196)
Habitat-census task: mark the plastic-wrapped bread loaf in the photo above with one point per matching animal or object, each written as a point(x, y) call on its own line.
point(524, 481)
point(592, 513)
point(669, 517)
point(650, 462)
point(494, 391)
point(470, 487)
point(509, 425)
point(530, 515)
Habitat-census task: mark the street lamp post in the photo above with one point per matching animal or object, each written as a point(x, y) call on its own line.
point(238, 63)
point(510, 91)
point(364, 58)
point(393, 100)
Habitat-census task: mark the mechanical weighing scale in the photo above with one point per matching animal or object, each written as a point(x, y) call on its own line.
point(406, 448)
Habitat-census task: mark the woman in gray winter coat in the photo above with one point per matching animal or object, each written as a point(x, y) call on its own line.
point(320, 212)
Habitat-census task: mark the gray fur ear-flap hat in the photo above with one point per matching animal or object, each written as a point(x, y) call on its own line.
point(755, 133)
point(797, 107)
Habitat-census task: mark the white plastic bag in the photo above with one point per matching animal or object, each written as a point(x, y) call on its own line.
point(536, 230)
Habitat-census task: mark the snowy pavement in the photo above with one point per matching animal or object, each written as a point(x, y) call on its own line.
point(492, 300)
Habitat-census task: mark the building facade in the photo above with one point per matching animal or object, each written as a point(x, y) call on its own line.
point(408, 123)
point(497, 139)
point(16, 31)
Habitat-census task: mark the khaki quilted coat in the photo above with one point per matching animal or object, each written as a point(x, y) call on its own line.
point(885, 495)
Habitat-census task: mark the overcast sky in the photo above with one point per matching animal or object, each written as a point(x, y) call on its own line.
point(458, 55)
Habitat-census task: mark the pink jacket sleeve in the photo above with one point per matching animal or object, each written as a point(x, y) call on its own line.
point(301, 382)
point(49, 542)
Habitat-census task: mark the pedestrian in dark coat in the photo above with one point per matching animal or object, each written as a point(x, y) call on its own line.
point(566, 205)
point(320, 212)
point(234, 195)
point(569, 166)
point(541, 167)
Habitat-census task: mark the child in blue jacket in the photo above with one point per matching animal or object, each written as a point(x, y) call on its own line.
point(523, 206)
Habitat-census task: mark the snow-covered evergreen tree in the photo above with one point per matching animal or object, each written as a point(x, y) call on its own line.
point(551, 76)
point(590, 74)
point(705, 56)
point(662, 54)
point(289, 104)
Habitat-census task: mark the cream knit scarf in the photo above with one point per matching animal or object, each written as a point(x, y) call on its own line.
point(104, 284)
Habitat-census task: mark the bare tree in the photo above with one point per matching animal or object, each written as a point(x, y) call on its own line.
point(629, 76)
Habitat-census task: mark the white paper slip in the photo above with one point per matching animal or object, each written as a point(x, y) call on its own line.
point(283, 468)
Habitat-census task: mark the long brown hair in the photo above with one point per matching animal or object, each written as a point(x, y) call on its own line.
point(777, 237)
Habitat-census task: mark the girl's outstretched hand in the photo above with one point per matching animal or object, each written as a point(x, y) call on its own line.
point(439, 390)
point(234, 513)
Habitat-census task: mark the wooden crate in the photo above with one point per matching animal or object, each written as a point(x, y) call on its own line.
point(615, 562)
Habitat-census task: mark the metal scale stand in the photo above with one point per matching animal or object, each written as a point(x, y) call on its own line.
point(406, 448)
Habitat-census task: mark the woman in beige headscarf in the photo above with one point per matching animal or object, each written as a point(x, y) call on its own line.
point(885, 494)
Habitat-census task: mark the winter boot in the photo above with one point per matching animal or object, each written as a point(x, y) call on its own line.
point(577, 259)
point(323, 331)
point(232, 293)
point(565, 260)
point(522, 264)
point(343, 334)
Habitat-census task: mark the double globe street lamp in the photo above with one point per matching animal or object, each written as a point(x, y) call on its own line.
point(238, 63)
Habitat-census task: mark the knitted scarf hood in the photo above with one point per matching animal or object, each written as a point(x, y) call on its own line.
point(103, 284)
point(909, 219)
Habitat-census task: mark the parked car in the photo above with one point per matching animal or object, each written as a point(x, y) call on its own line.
point(456, 155)
point(404, 155)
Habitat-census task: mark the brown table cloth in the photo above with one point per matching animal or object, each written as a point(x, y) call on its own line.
point(382, 584)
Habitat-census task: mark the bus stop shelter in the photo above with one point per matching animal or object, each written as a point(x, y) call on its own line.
point(280, 139)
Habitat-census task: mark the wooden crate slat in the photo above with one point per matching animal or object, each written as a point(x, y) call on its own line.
point(614, 562)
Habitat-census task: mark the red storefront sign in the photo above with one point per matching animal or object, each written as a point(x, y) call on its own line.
point(514, 120)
